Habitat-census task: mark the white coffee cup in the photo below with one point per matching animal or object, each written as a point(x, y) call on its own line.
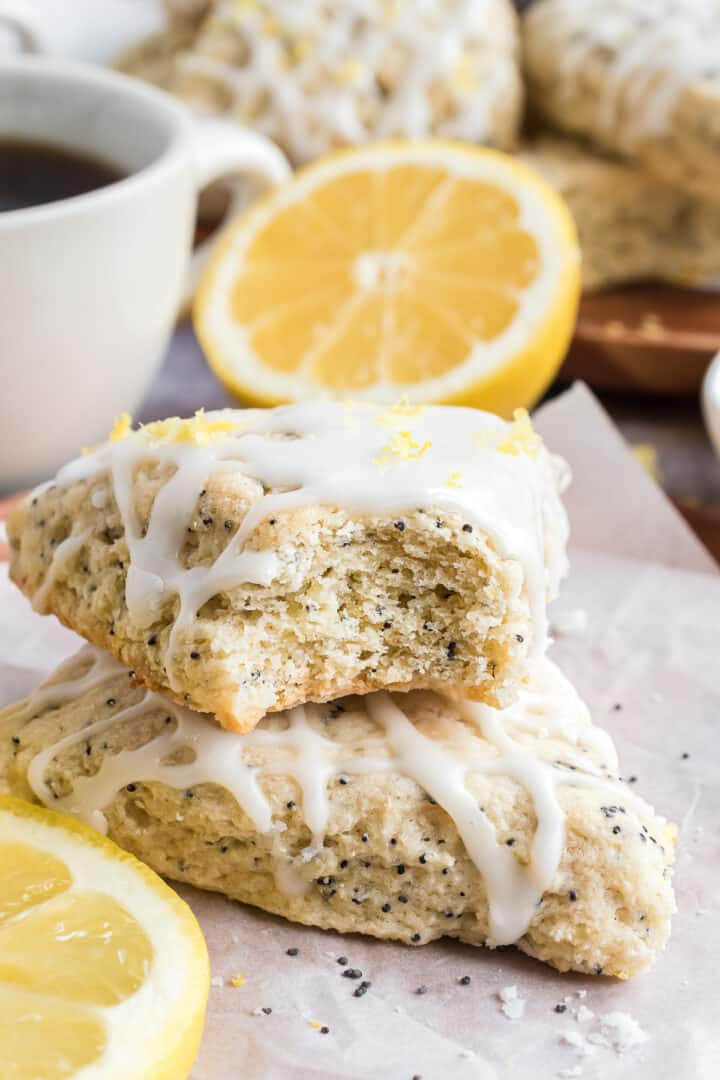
point(710, 398)
point(90, 286)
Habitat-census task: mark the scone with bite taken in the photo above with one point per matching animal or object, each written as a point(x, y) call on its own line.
point(244, 562)
point(404, 816)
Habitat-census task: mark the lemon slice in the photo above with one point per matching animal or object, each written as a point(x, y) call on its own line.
point(103, 969)
point(430, 270)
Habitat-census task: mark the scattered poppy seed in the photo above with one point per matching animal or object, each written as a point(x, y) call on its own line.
point(400, 526)
point(616, 829)
point(360, 990)
point(415, 937)
point(290, 805)
point(131, 787)
point(352, 973)
point(510, 841)
point(632, 779)
point(194, 655)
point(342, 960)
point(267, 1010)
point(393, 841)
point(364, 838)
point(110, 702)
point(685, 756)
point(467, 528)
point(572, 895)
point(519, 638)
point(343, 864)
point(423, 859)
point(465, 980)
point(617, 707)
point(342, 780)
point(560, 1008)
point(402, 900)
point(152, 640)
point(324, 1030)
point(292, 952)
point(599, 969)
point(401, 868)
point(451, 650)
point(422, 989)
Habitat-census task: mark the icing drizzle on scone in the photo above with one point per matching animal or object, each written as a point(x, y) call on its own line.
point(655, 49)
point(317, 75)
point(443, 750)
point(362, 458)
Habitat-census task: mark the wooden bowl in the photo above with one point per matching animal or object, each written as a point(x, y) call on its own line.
point(650, 339)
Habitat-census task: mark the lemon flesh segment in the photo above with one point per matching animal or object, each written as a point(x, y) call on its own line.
point(29, 876)
point(40, 1037)
point(438, 272)
point(83, 947)
point(101, 963)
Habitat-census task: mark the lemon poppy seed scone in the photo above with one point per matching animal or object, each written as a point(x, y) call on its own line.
point(319, 75)
point(631, 225)
point(245, 562)
point(639, 77)
point(407, 816)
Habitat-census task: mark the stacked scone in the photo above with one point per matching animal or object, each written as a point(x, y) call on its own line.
point(635, 88)
point(317, 680)
point(318, 75)
point(629, 92)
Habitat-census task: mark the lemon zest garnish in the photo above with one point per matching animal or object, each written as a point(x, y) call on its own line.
point(464, 75)
point(197, 429)
point(400, 413)
point(402, 445)
point(315, 1024)
point(670, 832)
point(238, 980)
point(121, 428)
point(455, 479)
point(646, 454)
point(522, 437)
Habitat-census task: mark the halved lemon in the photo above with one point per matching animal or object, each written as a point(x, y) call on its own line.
point(104, 971)
point(431, 270)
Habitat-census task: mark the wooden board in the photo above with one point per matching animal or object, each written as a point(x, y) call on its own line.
point(645, 338)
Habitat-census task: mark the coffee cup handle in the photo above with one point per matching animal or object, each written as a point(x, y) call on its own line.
point(225, 151)
point(16, 20)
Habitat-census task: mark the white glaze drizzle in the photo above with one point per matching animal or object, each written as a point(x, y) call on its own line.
point(63, 554)
point(441, 762)
point(309, 74)
point(338, 457)
point(656, 49)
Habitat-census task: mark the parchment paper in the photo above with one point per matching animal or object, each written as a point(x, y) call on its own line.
point(651, 647)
